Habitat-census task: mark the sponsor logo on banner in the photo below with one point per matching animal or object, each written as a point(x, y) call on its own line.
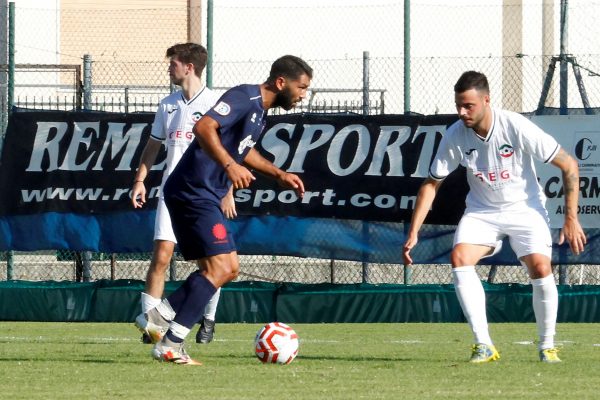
point(579, 136)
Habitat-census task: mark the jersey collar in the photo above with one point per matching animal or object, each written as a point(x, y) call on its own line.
point(488, 137)
point(194, 97)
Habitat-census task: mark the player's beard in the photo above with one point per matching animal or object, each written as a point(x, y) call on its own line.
point(176, 81)
point(284, 99)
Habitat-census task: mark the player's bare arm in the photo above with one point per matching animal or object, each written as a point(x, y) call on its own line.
point(138, 192)
point(255, 161)
point(425, 197)
point(571, 230)
point(206, 132)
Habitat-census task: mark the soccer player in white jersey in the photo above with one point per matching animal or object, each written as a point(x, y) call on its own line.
point(173, 123)
point(498, 148)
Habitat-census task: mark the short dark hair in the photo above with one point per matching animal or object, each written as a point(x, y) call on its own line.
point(190, 53)
point(472, 80)
point(290, 67)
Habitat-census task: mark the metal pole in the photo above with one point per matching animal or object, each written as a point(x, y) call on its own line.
point(365, 110)
point(406, 56)
point(87, 82)
point(564, 64)
point(365, 93)
point(11, 54)
point(10, 255)
point(126, 100)
point(209, 43)
point(86, 256)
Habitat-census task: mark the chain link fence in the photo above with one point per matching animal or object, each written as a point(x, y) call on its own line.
point(110, 56)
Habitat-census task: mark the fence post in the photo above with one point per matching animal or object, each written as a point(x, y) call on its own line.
point(10, 255)
point(209, 42)
point(87, 82)
point(564, 65)
point(365, 88)
point(563, 271)
point(86, 256)
point(126, 100)
point(365, 110)
point(406, 56)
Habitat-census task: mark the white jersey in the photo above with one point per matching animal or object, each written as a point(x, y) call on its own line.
point(500, 167)
point(174, 120)
point(173, 123)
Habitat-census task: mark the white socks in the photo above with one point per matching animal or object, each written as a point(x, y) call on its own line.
point(211, 308)
point(471, 297)
point(148, 302)
point(165, 310)
point(179, 331)
point(545, 308)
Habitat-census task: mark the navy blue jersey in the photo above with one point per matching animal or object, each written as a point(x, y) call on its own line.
point(241, 119)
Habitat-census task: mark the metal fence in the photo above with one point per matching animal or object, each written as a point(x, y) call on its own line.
point(371, 56)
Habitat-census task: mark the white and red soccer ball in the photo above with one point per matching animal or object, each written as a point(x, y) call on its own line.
point(276, 343)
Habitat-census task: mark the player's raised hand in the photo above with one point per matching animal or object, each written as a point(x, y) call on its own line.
point(573, 233)
point(292, 181)
point(138, 194)
point(240, 176)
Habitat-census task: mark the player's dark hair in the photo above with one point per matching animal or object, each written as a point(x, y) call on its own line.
point(190, 53)
point(472, 80)
point(290, 67)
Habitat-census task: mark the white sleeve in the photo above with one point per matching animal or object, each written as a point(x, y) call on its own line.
point(446, 160)
point(158, 131)
point(536, 142)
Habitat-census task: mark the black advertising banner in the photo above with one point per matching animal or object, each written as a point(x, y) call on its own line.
point(76, 162)
point(353, 166)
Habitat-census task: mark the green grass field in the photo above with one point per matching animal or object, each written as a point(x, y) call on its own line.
point(335, 361)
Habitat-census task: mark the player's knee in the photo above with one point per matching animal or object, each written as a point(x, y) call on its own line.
point(235, 271)
point(457, 257)
point(231, 272)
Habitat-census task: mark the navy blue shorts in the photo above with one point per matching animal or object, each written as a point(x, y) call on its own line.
point(200, 229)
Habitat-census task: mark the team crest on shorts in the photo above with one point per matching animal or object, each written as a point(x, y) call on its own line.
point(219, 232)
point(506, 150)
point(222, 108)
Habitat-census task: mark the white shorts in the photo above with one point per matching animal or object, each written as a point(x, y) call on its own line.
point(528, 231)
point(162, 224)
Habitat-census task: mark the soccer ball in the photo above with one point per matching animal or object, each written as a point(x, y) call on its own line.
point(276, 343)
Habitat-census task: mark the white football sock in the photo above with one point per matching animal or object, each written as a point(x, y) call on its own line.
point(165, 310)
point(148, 302)
point(211, 308)
point(179, 331)
point(545, 308)
point(471, 297)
